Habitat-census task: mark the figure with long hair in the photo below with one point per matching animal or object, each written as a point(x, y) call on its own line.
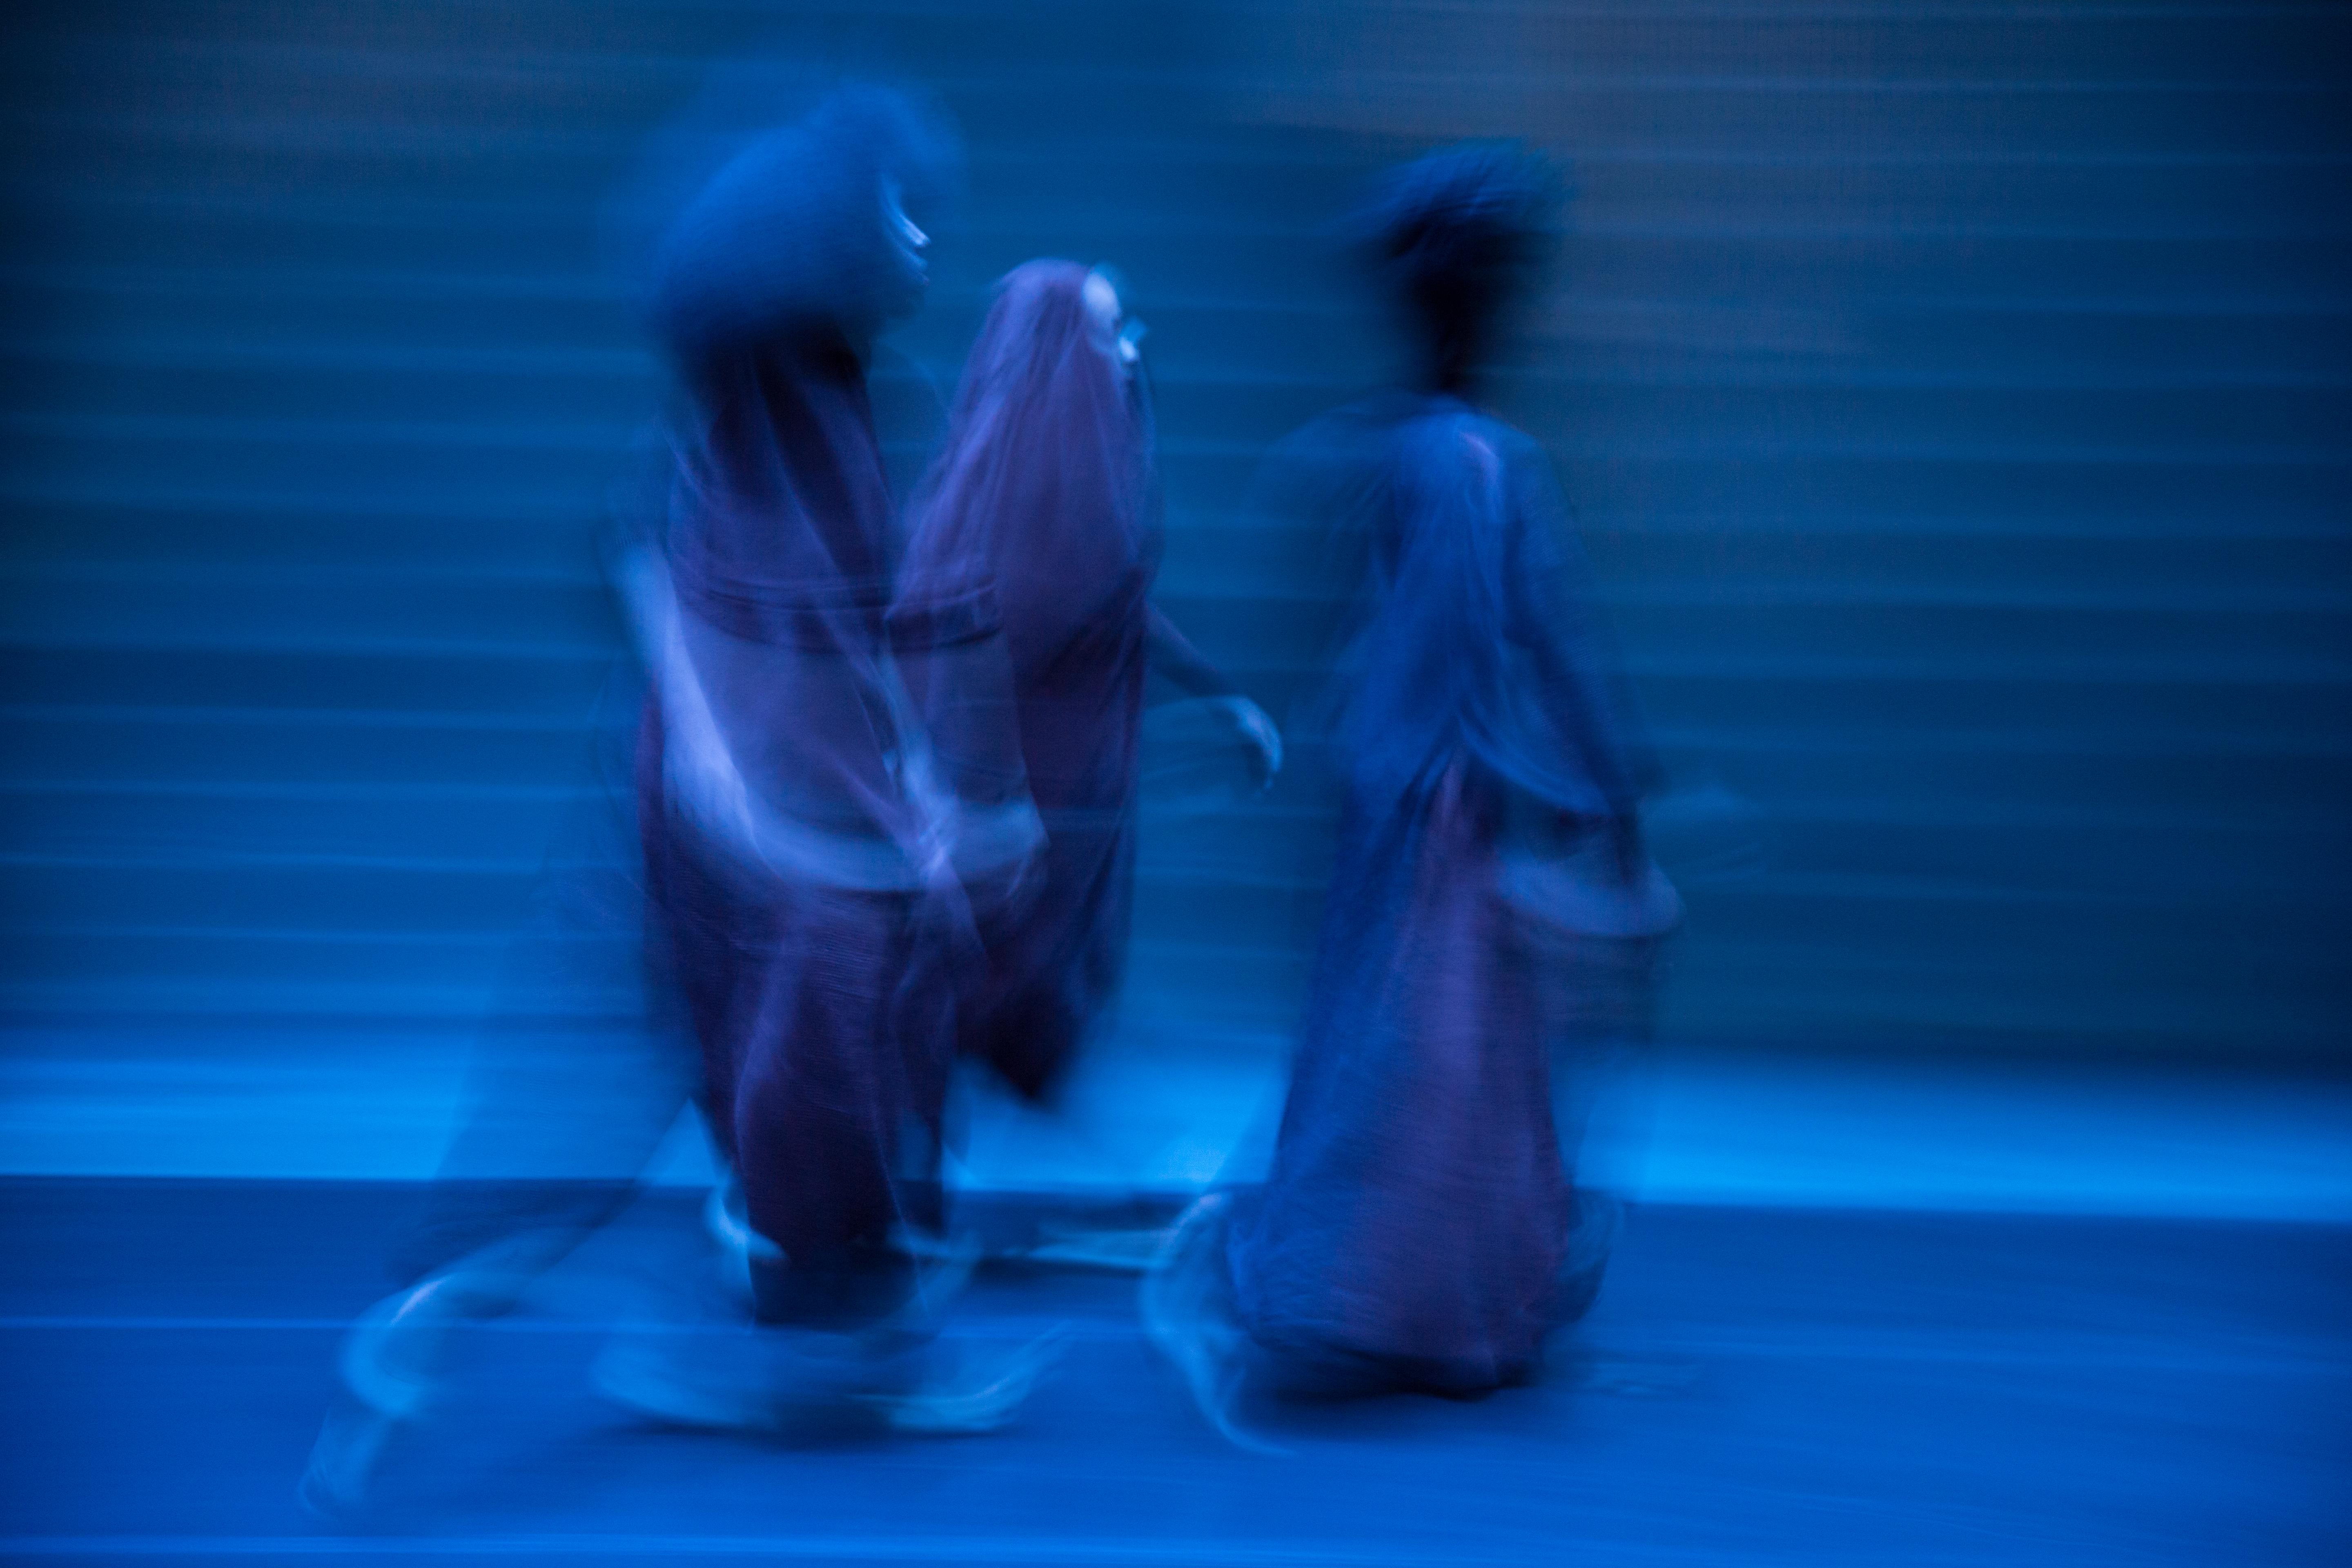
point(1045, 498)
point(1420, 1227)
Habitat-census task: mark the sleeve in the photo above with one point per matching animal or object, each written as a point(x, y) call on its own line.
point(1556, 617)
point(1319, 486)
point(1174, 658)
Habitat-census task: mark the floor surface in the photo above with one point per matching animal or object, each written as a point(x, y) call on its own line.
point(1759, 1384)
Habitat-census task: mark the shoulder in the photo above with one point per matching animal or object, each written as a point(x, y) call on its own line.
point(1346, 436)
point(1478, 436)
point(1450, 443)
point(1325, 469)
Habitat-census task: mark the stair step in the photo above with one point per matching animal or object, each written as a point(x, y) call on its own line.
point(1953, 402)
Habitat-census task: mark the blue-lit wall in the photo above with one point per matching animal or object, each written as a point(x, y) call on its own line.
point(1955, 400)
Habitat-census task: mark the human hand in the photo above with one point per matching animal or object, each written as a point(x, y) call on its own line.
point(1256, 730)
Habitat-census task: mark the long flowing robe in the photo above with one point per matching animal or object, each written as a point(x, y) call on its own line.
point(793, 842)
point(1043, 493)
point(1414, 1230)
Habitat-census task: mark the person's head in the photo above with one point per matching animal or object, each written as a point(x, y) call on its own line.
point(897, 160)
point(1053, 321)
point(1112, 329)
point(1460, 237)
point(1048, 456)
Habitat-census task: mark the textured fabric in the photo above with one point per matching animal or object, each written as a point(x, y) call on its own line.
point(1414, 1228)
point(1042, 493)
point(824, 1025)
point(1475, 632)
point(801, 865)
point(1416, 1211)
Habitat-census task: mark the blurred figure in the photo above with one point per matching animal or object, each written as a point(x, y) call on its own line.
point(808, 845)
point(780, 814)
point(1492, 917)
point(1043, 497)
point(581, 1071)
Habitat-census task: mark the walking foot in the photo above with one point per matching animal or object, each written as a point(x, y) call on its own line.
point(1188, 1319)
point(982, 1391)
point(351, 1442)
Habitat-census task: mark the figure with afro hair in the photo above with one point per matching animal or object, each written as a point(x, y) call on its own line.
point(758, 913)
point(1492, 915)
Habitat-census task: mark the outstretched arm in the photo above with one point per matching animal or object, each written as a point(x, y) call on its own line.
point(1172, 654)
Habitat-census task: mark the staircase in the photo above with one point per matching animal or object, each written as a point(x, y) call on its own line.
point(1954, 396)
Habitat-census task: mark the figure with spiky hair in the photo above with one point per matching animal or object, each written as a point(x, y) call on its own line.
point(1420, 1227)
point(1459, 240)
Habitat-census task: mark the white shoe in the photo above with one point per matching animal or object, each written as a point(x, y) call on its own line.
point(943, 1268)
point(1131, 1251)
point(391, 1365)
point(1592, 1237)
point(983, 1394)
point(711, 1382)
point(746, 1379)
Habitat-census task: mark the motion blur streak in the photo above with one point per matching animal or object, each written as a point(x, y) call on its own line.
point(1952, 400)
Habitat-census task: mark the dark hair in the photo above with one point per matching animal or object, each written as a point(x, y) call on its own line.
point(1459, 236)
point(898, 132)
point(790, 230)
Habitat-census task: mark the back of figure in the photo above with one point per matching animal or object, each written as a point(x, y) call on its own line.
point(1415, 1225)
point(1419, 1225)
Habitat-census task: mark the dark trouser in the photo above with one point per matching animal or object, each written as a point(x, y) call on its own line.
point(824, 1018)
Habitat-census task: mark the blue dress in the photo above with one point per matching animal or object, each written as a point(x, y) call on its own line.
point(1413, 1229)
